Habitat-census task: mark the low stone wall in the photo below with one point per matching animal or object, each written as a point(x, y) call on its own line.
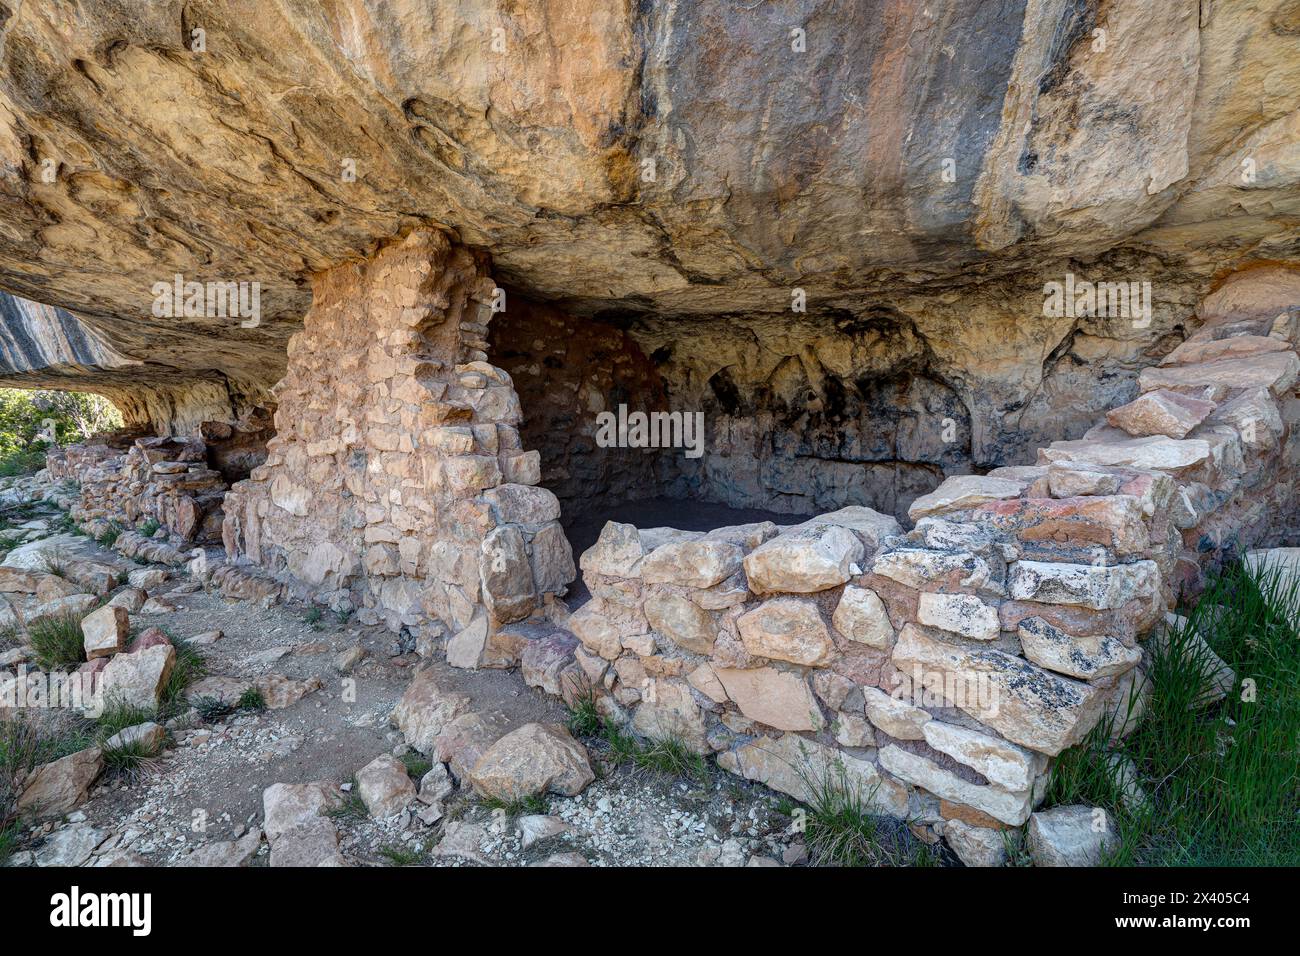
point(396, 484)
point(942, 668)
point(164, 479)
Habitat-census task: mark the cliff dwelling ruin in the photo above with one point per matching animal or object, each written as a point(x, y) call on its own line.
point(742, 386)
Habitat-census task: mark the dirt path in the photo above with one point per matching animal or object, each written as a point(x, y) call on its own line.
point(207, 786)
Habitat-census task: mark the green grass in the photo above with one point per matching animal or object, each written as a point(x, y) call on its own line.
point(840, 828)
point(522, 806)
point(189, 667)
point(148, 527)
point(213, 708)
point(25, 743)
point(584, 717)
point(131, 759)
point(251, 699)
point(670, 756)
point(416, 764)
point(351, 807)
point(9, 637)
point(118, 716)
point(57, 642)
point(401, 856)
point(1223, 780)
point(107, 538)
point(54, 561)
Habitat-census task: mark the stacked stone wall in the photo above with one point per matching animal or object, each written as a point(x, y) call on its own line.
point(162, 481)
point(942, 668)
point(397, 484)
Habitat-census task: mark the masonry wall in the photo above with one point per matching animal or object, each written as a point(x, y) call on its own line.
point(943, 667)
point(397, 484)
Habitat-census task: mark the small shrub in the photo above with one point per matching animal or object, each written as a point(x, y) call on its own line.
point(251, 699)
point(148, 527)
point(57, 642)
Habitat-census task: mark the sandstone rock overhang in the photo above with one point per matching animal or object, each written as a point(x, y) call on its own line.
point(679, 158)
point(46, 347)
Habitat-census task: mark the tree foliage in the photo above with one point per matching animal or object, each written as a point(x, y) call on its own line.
point(31, 419)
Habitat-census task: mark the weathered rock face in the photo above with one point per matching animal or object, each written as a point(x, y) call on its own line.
point(676, 172)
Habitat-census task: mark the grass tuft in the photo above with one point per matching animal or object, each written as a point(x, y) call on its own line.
point(251, 699)
point(57, 642)
point(189, 668)
point(55, 561)
point(1222, 779)
point(401, 856)
point(584, 717)
point(840, 828)
point(523, 806)
point(351, 807)
point(107, 538)
point(117, 716)
point(417, 765)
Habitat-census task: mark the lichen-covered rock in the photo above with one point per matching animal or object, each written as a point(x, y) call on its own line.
point(1029, 706)
point(536, 758)
point(1071, 836)
point(1086, 657)
point(962, 614)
